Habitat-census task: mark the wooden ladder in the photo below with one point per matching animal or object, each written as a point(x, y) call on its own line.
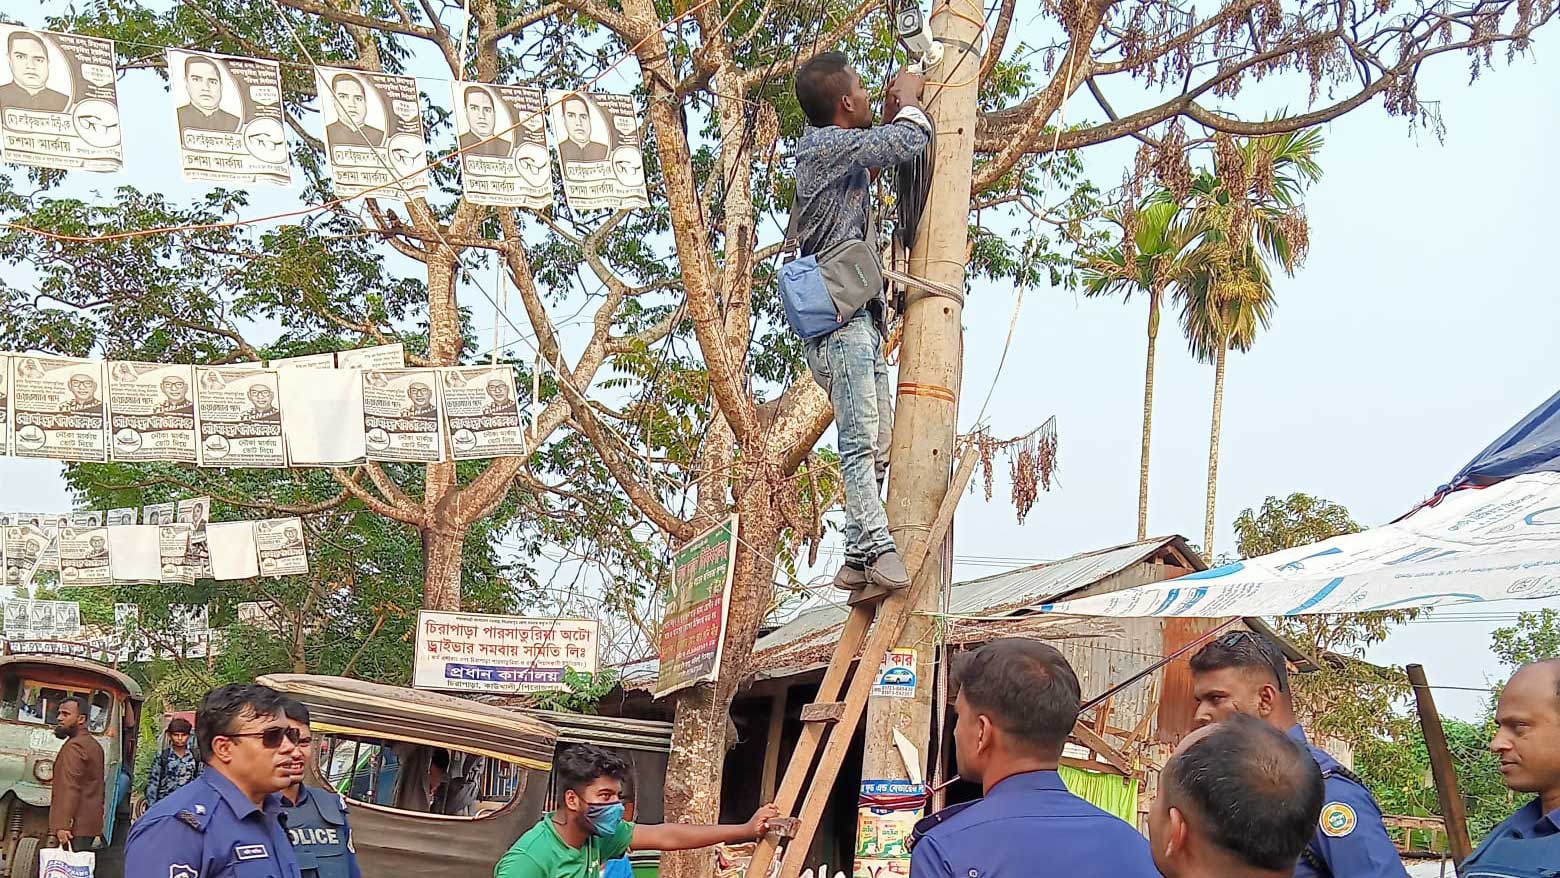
point(830, 721)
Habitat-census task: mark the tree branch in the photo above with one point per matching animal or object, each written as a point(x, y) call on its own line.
point(350, 482)
point(796, 56)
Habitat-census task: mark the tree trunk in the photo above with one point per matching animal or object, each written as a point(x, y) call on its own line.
point(442, 547)
point(695, 767)
point(1148, 414)
point(1213, 446)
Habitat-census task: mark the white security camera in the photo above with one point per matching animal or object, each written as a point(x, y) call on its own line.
point(910, 25)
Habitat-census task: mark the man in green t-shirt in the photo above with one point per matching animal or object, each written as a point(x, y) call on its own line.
point(588, 829)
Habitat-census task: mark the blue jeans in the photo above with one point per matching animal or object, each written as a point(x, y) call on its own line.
point(848, 364)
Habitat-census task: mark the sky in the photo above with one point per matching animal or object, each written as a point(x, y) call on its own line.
point(1421, 326)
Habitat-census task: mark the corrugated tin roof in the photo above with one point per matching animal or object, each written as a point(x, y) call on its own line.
point(808, 640)
point(1031, 586)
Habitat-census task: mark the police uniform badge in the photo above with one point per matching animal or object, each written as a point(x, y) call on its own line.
point(1337, 820)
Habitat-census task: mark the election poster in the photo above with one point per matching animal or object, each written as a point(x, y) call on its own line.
point(401, 415)
point(279, 543)
point(42, 620)
point(385, 356)
point(473, 652)
point(305, 361)
point(159, 513)
point(5, 403)
point(195, 512)
point(693, 628)
point(502, 130)
point(87, 518)
point(24, 549)
point(84, 556)
point(120, 517)
point(373, 133)
point(151, 412)
point(58, 106)
point(599, 138)
point(237, 417)
point(229, 116)
point(57, 408)
point(480, 406)
point(173, 546)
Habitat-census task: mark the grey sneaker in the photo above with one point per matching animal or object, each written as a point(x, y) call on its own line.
point(888, 570)
point(850, 577)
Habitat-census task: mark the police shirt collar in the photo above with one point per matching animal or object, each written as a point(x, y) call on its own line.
point(1297, 734)
point(1529, 820)
point(236, 800)
point(1044, 779)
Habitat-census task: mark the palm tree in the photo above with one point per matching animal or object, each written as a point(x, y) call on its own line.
point(1246, 215)
point(1157, 261)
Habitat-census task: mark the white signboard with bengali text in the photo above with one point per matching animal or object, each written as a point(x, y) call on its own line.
point(474, 652)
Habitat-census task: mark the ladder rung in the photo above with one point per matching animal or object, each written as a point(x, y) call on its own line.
point(823, 712)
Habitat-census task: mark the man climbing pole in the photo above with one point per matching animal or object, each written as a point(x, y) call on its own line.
point(836, 161)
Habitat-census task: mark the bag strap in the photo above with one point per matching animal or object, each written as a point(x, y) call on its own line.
point(790, 247)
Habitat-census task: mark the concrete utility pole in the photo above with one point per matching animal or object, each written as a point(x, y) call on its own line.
point(931, 365)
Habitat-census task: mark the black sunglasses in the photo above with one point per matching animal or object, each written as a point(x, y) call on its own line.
point(1264, 647)
point(271, 739)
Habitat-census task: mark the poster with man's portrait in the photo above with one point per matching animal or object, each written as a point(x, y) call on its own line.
point(58, 104)
point(57, 408)
point(5, 403)
point(502, 132)
point(229, 113)
point(238, 418)
point(373, 133)
point(599, 140)
point(151, 412)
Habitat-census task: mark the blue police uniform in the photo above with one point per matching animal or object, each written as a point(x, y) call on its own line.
point(1524, 845)
point(321, 839)
point(1028, 824)
point(1350, 840)
point(208, 829)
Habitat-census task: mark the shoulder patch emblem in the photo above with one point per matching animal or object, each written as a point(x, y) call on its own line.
point(180, 870)
point(1338, 820)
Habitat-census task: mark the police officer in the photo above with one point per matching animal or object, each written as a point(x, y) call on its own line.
point(1527, 740)
point(1018, 700)
point(227, 821)
point(1244, 672)
point(316, 818)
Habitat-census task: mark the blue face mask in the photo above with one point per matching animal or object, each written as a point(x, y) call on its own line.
point(604, 820)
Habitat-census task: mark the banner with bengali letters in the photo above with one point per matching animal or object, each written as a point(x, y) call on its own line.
point(693, 630)
point(473, 652)
point(5, 403)
point(502, 132)
point(58, 104)
point(84, 556)
point(483, 414)
point(57, 408)
point(230, 118)
point(1500, 542)
point(401, 415)
point(598, 138)
point(279, 542)
point(373, 133)
point(151, 412)
point(237, 417)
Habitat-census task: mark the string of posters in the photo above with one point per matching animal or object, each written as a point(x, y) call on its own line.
point(332, 409)
point(55, 627)
point(175, 543)
point(59, 108)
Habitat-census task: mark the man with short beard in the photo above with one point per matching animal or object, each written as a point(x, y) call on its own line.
point(76, 803)
point(227, 821)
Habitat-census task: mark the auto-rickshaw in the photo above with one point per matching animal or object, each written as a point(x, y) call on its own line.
point(437, 784)
point(31, 689)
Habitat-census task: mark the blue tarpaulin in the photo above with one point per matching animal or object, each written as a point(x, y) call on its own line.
point(1531, 446)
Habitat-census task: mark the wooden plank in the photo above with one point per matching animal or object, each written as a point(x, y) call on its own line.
point(1091, 765)
point(1441, 766)
point(893, 612)
point(1091, 739)
point(766, 785)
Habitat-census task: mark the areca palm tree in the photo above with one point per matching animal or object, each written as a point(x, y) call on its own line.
point(1246, 216)
point(1157, 262)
